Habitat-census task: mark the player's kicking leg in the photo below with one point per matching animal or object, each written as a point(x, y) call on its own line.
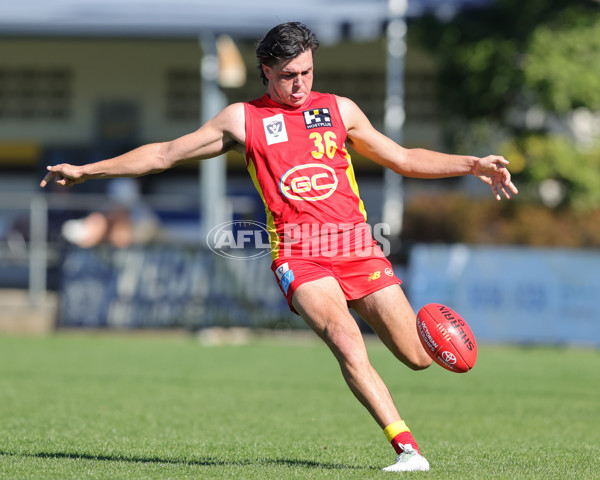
point(392, 318)
point(322, 304)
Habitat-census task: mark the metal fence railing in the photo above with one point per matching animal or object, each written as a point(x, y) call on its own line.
point(36, 250)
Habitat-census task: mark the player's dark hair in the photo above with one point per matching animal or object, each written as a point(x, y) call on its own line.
point(285, 41)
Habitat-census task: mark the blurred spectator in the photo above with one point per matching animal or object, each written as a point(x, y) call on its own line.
point(128, 222)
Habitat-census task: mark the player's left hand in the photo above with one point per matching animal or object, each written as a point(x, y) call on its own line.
point(63, 174)
point(492, 170)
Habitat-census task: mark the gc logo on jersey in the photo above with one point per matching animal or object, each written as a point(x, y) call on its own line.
point(317, 117)
point(275, 129)
point(310, 182)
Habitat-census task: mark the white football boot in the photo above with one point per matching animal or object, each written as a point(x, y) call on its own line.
point(409, 461)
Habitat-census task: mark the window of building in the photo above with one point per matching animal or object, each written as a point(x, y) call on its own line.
point(35, 93)
point(367, 89)
point(183, 94)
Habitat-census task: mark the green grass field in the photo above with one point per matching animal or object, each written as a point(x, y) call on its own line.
point(138, 407)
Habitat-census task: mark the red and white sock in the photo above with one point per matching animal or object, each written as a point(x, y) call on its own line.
point(398, 435)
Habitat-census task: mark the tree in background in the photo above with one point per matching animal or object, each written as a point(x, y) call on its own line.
point(523, 78)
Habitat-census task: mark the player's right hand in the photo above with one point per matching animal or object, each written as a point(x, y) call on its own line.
point(63, 174)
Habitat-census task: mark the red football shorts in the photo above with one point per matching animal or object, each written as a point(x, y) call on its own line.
point(357, 275)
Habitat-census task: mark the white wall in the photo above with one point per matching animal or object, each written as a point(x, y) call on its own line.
point(134, 69)
point(103, 70)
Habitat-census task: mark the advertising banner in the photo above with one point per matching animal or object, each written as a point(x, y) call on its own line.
point(512, 294)
point(156, 287)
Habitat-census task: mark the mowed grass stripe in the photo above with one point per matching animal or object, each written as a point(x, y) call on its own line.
point(106, 406)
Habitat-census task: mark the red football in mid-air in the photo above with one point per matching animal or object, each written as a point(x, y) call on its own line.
point(446, 337)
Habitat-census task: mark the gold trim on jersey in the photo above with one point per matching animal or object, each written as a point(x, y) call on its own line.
point(353, 184)
point(273, 235)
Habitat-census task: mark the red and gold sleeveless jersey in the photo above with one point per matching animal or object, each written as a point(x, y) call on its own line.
point(299, 164)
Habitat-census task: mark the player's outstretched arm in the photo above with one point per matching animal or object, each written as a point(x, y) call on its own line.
point(226, 131)
point(419, 162)
point(492, 170)
point(140, 161)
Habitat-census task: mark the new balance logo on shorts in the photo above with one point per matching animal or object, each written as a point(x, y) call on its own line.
point(317, 117)
point(374, 276)
point(377, 275)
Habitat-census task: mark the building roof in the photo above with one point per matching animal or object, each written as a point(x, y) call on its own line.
point(190, 18)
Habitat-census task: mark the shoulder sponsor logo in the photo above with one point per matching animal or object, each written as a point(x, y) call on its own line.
point(311, 182)
point(275, 129)
point(317, 117)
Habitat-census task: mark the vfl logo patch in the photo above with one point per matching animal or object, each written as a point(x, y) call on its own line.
point(285, 276)
point(275, 129)
point(317, 117)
